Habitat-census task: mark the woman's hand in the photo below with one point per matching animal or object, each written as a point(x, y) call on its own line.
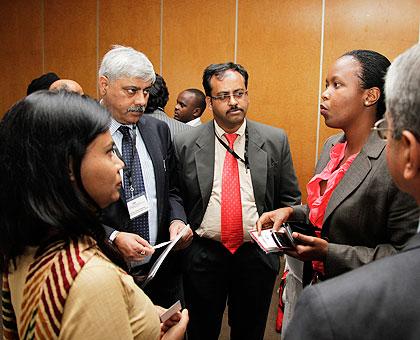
point(175, 327)
point(274, 218)
point(308, 248)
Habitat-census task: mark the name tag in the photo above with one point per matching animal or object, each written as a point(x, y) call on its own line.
point(137, 206)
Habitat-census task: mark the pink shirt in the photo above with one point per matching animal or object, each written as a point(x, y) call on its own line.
point(332, 174)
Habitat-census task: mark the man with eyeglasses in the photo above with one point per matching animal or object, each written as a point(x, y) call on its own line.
point(231, 170)
point(380, 300)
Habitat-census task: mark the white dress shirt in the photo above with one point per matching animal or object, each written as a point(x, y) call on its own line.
point(195, 122)
point(210, 226)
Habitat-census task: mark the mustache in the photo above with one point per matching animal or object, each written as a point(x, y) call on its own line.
point(136, 109)
point(235, 109)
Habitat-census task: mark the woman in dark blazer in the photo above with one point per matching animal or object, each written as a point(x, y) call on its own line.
point(358, 212)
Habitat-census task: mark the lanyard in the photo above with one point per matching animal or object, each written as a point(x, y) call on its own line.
point(233, 153)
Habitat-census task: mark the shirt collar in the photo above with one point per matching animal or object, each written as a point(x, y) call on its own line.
point(194, 121)
point(221, 132)
point(115, 126)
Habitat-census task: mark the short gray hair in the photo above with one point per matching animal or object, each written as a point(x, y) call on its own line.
point(122, 61)
point(402, 92)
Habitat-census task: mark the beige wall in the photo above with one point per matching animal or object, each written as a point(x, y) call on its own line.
point(286, 47)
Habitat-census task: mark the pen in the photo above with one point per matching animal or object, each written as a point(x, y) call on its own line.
point(160, 245)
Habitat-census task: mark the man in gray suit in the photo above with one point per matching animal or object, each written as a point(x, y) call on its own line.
point(380, 300)
point(230, 171)
point(158, 97)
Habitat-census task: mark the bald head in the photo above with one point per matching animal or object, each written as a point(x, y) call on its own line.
point(66, 85)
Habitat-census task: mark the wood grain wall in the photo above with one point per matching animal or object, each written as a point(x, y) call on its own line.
point(286, 46)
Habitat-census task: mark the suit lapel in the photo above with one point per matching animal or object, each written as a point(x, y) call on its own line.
point(258, 165)
point(357, 172)
point(204, 162)
point(325, 155)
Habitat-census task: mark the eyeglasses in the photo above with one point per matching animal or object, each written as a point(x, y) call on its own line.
point(381, 127)
point(225, 97)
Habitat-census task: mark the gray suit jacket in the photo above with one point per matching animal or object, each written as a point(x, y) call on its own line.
point(378, 301)
point(272, 173)
point(367, 217)
point(175, 126)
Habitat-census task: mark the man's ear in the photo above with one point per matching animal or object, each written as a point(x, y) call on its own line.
point(197, 112)
point(209, 103)
point(372, 96)
point(103, 85)
point(411, 155)
point(71, 170)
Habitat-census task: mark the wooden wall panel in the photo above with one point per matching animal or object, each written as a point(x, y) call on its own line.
point(195, 35)
point(130, 23)
point(21, 49)
point(70, 41)
point(279, 44)
point(386, 26)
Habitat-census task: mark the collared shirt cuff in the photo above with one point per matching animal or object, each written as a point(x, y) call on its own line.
point(113, 236)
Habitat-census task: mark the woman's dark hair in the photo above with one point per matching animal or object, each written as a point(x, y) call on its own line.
point(373, 69)
point(42, 138)
point(219, 70)
point(158, 95)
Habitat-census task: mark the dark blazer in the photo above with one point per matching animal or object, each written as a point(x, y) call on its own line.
point(377, 301)
point(272, 173)
point(157, 139)
point(367, 216)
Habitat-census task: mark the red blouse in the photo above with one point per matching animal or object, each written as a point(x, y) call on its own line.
point(332, 174)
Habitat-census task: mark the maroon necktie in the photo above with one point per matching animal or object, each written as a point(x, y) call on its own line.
point(231, 206)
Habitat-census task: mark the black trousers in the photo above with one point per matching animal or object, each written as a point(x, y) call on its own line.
point(214, 277)
point(166, 287)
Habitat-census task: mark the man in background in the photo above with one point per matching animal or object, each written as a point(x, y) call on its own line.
point(67, 85)
point(42, 83)
point(380, 300)
point(189, 107)
point(158, 97)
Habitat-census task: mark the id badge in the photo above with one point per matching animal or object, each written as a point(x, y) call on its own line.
point(137, 206)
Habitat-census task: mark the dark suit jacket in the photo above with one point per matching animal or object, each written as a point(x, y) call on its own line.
point(157, 139)
point(273, 176)
point(377, 301)
point(367, 217)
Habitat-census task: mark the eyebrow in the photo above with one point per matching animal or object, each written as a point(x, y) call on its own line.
point(136, 88)
point(227, 92)
point(109, 144)
point(333, 78)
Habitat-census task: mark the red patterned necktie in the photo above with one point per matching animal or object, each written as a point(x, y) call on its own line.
point(231, 206)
